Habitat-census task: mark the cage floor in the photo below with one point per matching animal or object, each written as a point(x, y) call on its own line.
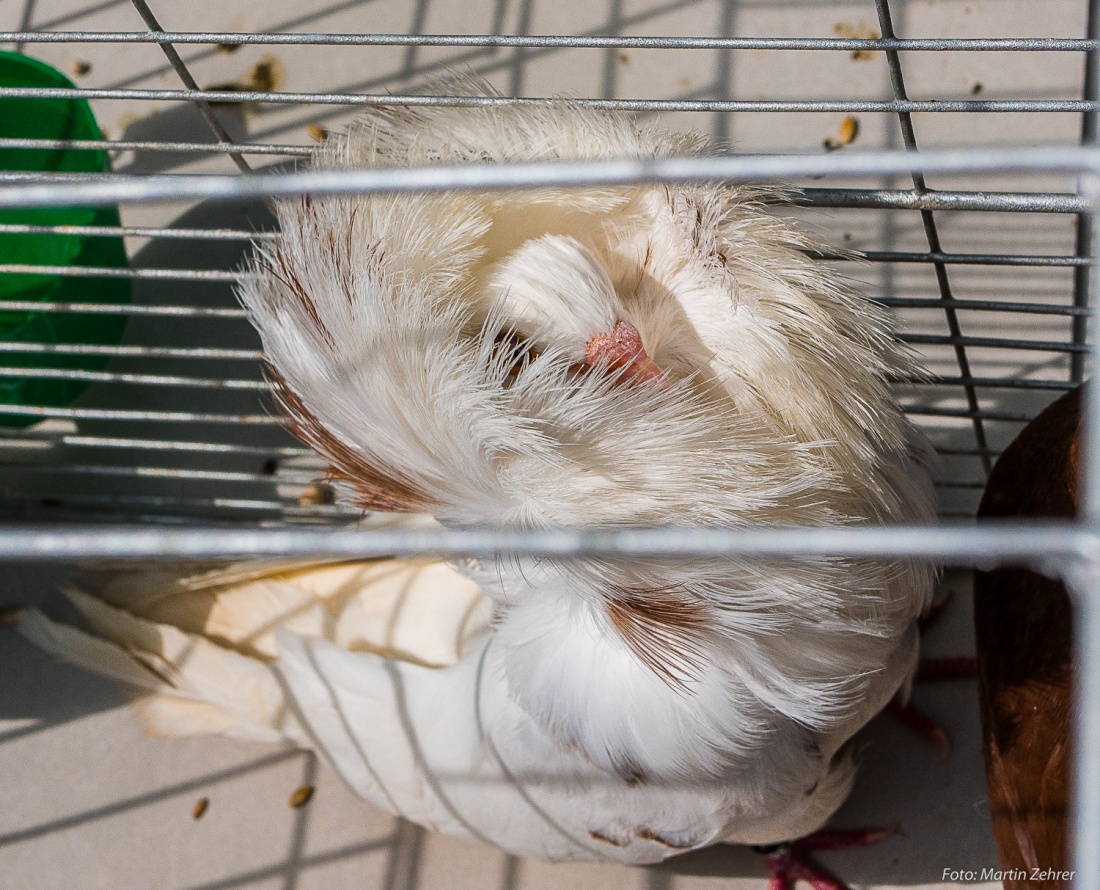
point(89, 802)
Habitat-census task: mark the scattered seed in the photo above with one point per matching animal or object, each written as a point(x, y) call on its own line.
point(849, 130)
point(200, 807)
point(316, 496)
point(228, 87)
point(80, 67)
point(266, 76)
point(977, 88)
point(300, 797)
point(624, 58)
point(9, 615)
point(861, 31)
point(228, 47)
point(317, 133)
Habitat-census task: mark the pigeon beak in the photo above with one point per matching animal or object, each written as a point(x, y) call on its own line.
point(642, 369)
point(621, 350)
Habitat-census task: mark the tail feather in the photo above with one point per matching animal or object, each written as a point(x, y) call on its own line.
point(145, 589)
point(83, 650)
point(173, 716)
point(416, 610)
point(191, 686)
point(200, 649)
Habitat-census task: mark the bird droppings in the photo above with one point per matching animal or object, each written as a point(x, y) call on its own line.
point(199, 809)
point(859, 31)
point(846, 135)
point(80, 67)
point(316, 495)
point(300, 797)
point(317, 133)
point(977, 88)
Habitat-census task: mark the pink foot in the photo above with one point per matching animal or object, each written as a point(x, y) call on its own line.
point(922, 725)
point(934, 670)
point(790, 862)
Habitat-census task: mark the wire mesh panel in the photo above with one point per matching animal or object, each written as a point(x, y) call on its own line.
point(982, 258)
point(984, 277)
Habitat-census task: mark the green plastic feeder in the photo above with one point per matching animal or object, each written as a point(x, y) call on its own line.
point(69, 119)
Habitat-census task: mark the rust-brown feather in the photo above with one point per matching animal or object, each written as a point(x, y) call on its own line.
point(662, 629)
point(1023, 624)
point(374, 487)
point(292, 282)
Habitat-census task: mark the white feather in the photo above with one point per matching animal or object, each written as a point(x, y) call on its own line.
point(428, 346)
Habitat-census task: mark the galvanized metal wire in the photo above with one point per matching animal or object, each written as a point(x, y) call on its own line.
point(904, 106)
point(560, 41)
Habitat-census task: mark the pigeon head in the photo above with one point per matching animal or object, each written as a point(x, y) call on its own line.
point(554, 292)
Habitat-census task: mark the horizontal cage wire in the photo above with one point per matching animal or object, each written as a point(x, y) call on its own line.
point(984, 257)
point(987, 281)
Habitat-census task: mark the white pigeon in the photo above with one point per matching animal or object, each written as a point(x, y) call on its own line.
point(651, 355)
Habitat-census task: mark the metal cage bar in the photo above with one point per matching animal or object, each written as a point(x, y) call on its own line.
point(560, 41)
point(901, 106)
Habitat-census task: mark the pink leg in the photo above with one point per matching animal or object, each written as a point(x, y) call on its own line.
point(790, 862)
point(922, 725)
point(934, 670)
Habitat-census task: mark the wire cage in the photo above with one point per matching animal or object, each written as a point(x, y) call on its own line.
point(982, 252)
